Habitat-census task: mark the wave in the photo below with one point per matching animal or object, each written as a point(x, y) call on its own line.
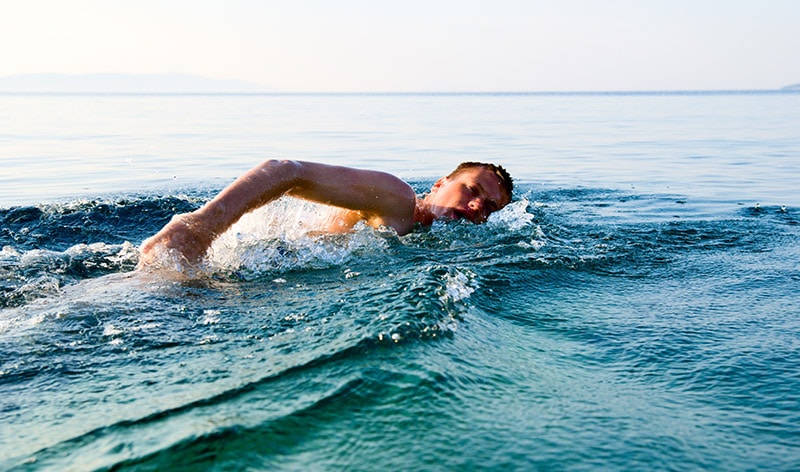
point(257, 299)
point(126, 334)
point(48, 247)
point(289, 332)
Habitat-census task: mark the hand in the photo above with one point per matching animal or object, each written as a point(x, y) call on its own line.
point(184, 236)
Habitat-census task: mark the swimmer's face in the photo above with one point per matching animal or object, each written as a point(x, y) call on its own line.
point(472, 194)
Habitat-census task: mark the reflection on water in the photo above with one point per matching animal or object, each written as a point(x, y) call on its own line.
point(725, 146)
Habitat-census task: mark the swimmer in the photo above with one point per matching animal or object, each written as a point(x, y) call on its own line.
point(472, 191)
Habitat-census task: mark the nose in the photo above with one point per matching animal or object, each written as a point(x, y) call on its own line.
point(478, 207)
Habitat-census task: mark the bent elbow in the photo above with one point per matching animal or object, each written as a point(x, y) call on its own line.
point(279, 165)
point(282, 173)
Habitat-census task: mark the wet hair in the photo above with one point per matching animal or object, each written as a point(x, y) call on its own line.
point(499, 171)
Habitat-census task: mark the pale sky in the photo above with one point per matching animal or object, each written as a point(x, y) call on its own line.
point(415, 45)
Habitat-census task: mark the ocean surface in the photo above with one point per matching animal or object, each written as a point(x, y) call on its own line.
point(637, 306)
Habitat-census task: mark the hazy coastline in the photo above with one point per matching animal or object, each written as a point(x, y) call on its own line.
point(169, 83)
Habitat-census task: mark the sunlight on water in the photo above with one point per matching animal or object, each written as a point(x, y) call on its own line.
point(729, 146)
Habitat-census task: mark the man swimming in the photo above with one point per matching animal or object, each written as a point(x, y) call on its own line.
point(472, 191)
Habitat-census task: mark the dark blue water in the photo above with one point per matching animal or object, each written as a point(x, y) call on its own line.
point(649, 325)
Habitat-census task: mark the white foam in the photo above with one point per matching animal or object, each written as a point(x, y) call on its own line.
point(459, 285)
point(211, 317)
point(289, 234)
point(513, 217)
point(111, 330)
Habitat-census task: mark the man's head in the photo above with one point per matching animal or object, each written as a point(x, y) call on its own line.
point(505, 178)
point(473, 191)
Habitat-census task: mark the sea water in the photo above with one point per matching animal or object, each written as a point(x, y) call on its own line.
point(634, 308)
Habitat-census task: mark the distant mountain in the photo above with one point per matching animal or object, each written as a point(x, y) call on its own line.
point(792, 87)
point(123, 83)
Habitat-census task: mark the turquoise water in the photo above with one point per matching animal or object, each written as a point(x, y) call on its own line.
point(635, 308)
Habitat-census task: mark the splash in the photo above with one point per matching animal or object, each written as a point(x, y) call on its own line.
point(458, 286)
point(514, 217)
point(286, 235)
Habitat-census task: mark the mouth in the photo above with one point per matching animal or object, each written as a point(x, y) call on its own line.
point(454, 214)
point(465, 214)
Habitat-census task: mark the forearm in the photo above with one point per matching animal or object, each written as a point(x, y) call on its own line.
point(192, 234)
point(259, 186)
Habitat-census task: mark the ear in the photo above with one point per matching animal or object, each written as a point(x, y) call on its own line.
point(439, 183)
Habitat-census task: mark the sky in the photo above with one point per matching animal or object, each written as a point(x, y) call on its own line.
point(415, 45)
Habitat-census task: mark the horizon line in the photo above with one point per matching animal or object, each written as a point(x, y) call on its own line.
point(421, 93)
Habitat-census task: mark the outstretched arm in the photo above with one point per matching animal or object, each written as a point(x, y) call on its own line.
point(379, 198)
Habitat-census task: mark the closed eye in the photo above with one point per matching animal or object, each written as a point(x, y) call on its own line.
point(477, 190)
